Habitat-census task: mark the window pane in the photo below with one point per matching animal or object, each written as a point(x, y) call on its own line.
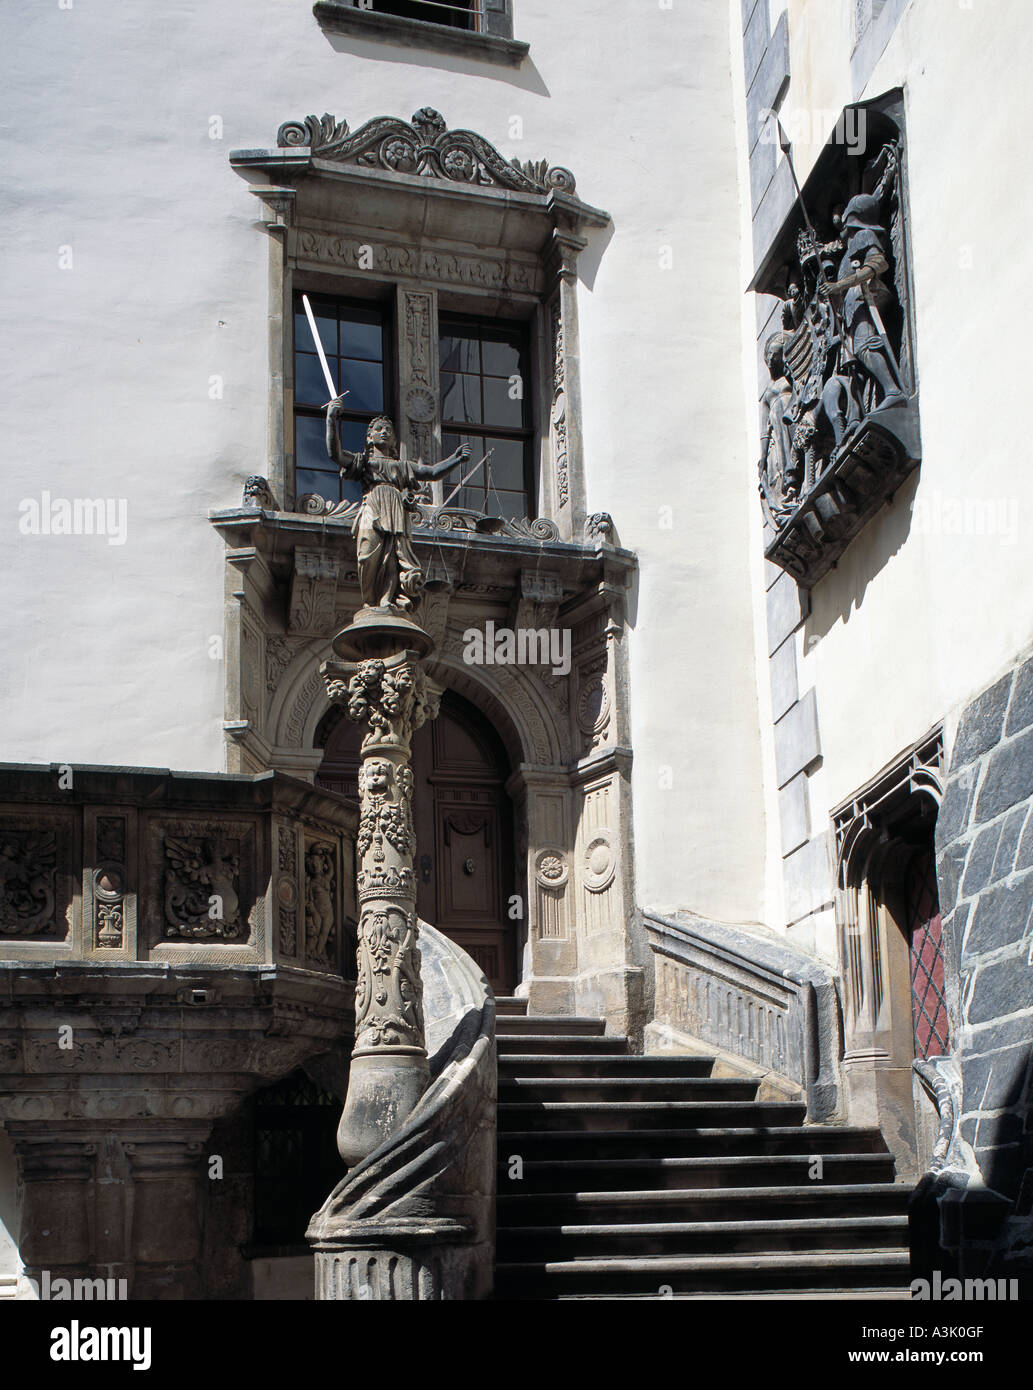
point(506, 463)
point(361, 335)
point(326, 322)
point(309, 382)
point(460, 397)
point(364, 382)
point(499, 408)
point(500, 359)
point(353, 435)
point(512, 505)
point(311, 480)
point(310, 444)
point(459, 354)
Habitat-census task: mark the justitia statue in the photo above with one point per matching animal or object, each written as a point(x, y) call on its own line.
point(389, 573)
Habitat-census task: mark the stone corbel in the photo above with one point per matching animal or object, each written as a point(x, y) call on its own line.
point(280, 203)
point(537, 602)
point(313, 591)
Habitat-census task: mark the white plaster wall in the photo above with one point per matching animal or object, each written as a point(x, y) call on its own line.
point(916, 619)
point(104, 650)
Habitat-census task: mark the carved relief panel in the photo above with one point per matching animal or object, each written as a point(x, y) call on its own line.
point(36, 892)
point(202, 878)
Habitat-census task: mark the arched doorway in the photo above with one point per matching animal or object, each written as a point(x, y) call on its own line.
point(465, 858)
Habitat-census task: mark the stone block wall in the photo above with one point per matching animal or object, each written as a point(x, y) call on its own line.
point(984, 840)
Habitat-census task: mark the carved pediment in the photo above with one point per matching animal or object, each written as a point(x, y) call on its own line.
point(425, 146)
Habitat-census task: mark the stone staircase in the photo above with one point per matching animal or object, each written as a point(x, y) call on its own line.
point(623, 1176)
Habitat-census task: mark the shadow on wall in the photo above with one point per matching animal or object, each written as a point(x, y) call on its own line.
point(843, 590)
point(526, 76)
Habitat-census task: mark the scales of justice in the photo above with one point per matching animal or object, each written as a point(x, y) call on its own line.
point(380, 680)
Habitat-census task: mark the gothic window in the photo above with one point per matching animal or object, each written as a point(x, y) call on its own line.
point(484, 403)
point(355, 340)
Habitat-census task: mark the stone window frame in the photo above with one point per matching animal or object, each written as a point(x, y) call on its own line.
point(341, 213)
point(871, 861)
point(494, 43)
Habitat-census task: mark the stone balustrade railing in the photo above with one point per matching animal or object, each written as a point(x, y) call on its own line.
point(752, 998)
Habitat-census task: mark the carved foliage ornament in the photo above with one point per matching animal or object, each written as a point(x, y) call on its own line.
point(423, 146)
point(28, 860)
point(388, 993)
point(202, 883)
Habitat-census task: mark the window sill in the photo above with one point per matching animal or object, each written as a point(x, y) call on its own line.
point(341, 17)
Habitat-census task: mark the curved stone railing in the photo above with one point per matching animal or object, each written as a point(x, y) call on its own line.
point(756, 1000)
point(415, 1221)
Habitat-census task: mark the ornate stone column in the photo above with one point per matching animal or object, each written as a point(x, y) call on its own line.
point(382, 686)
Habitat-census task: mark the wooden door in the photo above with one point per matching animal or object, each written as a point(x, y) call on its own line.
point(464, 830)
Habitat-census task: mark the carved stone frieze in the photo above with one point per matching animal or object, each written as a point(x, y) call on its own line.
point(479, 271)
point(423, 146)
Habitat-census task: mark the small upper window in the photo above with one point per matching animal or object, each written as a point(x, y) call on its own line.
point(452, 12)
point(354, 341)
point(485, 403)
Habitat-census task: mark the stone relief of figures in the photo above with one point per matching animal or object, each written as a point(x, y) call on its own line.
point(832, 365)
point(202, 886)
point(320, 882)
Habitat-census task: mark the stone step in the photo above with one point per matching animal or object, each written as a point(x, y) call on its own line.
point(509, 1005)
point(704, 1273)
point(593, 1064)
point(518, 1244)
point(733, 1170)
point(624, 1088)
point(637, 1114)
point(554, 1045)
point(676, 1143)
point(829, 1202)
point(551, 1025)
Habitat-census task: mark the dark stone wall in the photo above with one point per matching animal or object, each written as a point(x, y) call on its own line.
point(984, 841)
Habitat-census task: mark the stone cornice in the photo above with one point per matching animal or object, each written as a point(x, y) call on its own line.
point(421, 155)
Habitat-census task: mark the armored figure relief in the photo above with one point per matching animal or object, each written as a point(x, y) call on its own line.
point(858, 295)
point(832, 364)
point(389, 573)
